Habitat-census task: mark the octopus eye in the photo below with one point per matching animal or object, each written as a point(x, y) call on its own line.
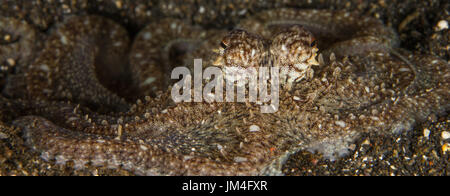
point(313, 43)
point(223, 45)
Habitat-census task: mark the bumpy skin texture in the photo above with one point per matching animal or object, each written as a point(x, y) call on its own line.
point(292, 48)
point(349, 93)
point(18, 45)
point(154, 49)
point(337, 32)
point(243, 49)
point(76, 57)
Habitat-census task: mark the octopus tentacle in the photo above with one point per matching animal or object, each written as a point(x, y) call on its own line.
point(155, 51)
point(76, 58)
point(342, 33)
point(139, 156)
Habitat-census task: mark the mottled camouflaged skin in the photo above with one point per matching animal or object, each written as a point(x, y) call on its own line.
point(351, 92)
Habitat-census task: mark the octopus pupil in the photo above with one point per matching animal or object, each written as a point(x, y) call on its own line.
point(313, 43)
point(223, 45)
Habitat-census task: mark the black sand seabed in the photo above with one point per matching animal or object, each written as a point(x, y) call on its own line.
point(411, 153)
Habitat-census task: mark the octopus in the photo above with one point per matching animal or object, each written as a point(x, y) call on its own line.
point(70, 110)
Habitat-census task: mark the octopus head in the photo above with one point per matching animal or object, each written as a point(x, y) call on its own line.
point(241, 49)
